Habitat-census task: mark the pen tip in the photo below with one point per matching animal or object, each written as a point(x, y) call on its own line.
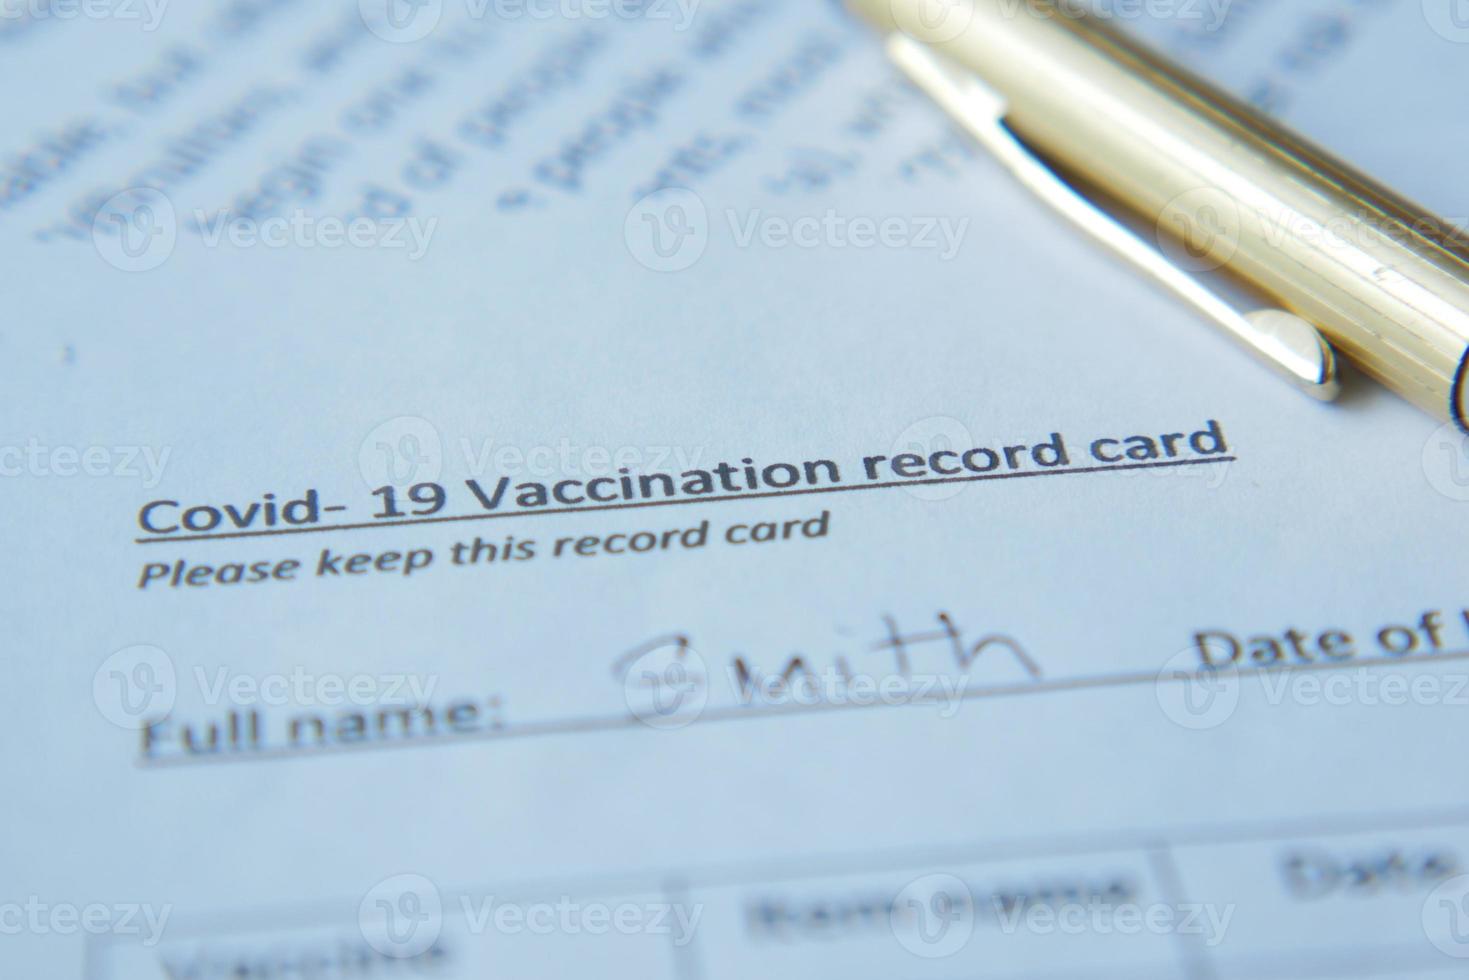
point(1298, 350)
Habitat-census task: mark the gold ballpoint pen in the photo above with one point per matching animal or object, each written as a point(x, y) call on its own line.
point(1083, 115)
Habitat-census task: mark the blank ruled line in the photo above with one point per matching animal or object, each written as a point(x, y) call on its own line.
point(642, 504)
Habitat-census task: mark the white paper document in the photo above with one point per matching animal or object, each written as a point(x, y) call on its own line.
point(575, 489)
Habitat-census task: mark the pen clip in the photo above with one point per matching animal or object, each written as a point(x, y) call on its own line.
point(1286, 343)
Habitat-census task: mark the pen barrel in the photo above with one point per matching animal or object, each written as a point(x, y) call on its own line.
point(1227, 188)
